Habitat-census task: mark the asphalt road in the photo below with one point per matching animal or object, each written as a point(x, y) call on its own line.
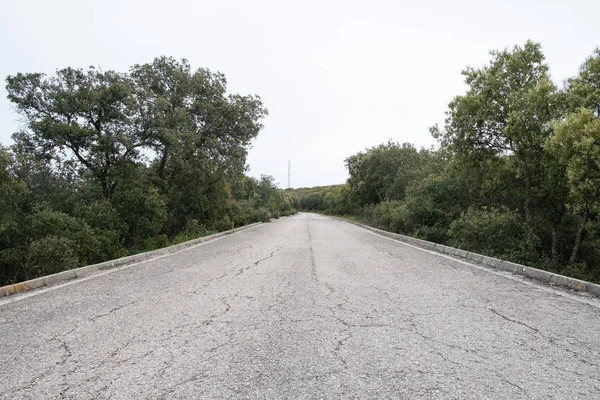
point(302, 307)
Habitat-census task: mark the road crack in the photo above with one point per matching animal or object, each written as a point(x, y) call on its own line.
point(514, 321)
point(94, 318)
point(241, 271)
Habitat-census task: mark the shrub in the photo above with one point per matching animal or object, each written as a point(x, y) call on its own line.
point(108, 228)
point(51, 254)
point(224, 224)
point(365, 212)
point(391, 216)
point(261, 215)
point(241, 212)
point(193, 230)
point(156, 242)
point(493, 232)
point(84, 243)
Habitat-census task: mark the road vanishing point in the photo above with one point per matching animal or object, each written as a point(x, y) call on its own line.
point(304, 307)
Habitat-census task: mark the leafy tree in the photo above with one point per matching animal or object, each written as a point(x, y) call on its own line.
point(380, 173)
point(577, 144)
point(505, 112)
point(584, 89)
point(81, 116)
point(12, 194)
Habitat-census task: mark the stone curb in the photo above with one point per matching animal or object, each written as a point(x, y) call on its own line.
point(538, 274)
point(91, 269)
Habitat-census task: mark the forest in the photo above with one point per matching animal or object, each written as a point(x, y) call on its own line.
point(110, 164)
point(515, 175)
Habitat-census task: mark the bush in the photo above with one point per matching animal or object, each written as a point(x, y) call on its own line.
point(365, 212)
point(108, 228)
point(224, 224)
point(51, 254)
point(261, 215)
point(436, 233)
point(193, 230)
point(391, 216)
point(44, 222)
point(493, 232)
point(156, 242)
point(241, 212)
point(275, 215)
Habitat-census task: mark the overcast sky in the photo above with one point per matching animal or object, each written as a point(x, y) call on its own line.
point(336, 76)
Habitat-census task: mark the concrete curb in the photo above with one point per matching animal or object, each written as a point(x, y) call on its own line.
point(534, 273)
point(91, 269)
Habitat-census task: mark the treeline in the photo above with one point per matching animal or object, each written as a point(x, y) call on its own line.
point(110, 164)
point(516, 175)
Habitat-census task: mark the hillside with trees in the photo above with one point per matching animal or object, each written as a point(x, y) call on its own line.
point(114, 163)
point(516, 174)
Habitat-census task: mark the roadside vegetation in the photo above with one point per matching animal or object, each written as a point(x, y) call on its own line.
point(516, 174)
point(111, 163)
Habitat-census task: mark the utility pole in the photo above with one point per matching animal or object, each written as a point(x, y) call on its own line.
point(289, 174)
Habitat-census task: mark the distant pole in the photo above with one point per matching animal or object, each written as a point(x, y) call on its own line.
point(289, 174)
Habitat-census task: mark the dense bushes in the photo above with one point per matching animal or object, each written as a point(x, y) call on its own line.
point(262, 215)
point(493, 232)
point(391, 216)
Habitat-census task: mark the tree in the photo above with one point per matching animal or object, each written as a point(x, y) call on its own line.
point(576, 144)
point(506, 112)
point(380, 173)
point(78, 115)
point(584, 89)
point(12, 194)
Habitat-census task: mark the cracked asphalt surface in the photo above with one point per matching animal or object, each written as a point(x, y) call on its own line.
point(302, 307)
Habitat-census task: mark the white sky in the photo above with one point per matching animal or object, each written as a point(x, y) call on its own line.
point(336, 76)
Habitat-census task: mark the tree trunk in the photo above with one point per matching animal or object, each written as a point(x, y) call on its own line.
point(554, 249)
point(579, 237)
point(163, 163)
point(527, 210)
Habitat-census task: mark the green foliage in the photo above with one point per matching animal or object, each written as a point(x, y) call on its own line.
point(108, 227)
point(51, 254)
point(493, 232)
point(288, 213)
point(384, 172)
point(193, 230)
point(44, 222)
point(391, 216)
point(261, 215)
point(142, 208)
point(155, 242)
point(576, 144)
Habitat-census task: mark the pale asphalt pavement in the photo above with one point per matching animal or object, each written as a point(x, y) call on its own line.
point(303, 307)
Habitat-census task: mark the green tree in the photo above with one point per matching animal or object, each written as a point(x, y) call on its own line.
point(577, 144)
point(506, 112)
point(12, 195)
point(381, 172)
point(78, 115)
point(584, 89)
